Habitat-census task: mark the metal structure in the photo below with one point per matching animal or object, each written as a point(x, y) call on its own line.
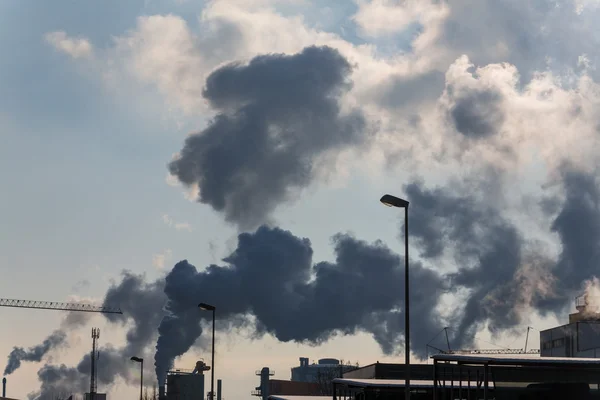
point(58, 306)
point(492, 351)
point(393, 201)
point(95, 354)
point(208, 307)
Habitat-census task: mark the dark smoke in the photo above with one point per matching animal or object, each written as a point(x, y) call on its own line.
point(65, 380)
point(276, 116)
point(35, 354)
point(498, 273)
point(142, 305)
point(495, 265)
point(578, 227)
point(312, 302)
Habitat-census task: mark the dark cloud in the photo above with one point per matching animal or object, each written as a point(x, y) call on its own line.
point(35, 353)
point(477, 113)
point(275, 116)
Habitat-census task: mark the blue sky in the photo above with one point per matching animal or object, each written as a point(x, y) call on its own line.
point(86, 138)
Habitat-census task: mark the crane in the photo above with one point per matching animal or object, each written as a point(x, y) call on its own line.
point(58, 306)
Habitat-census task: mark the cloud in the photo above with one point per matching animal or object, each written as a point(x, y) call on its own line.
point(78, 48)
point(159, 260)
point(180, 226)
point(277, 116)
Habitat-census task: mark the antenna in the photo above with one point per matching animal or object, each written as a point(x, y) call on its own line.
point(95, 355)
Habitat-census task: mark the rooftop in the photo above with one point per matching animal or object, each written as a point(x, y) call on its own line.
point(520, 361)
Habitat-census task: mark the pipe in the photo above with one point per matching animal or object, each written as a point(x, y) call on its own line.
point(3, 387)
point(219, 388)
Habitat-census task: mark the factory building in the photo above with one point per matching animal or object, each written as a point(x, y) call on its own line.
point(579, 338)
point(95, 396)
point(326, 369)
point(187, 384)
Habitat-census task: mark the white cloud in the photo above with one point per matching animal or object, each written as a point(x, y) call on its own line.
point(180, 226)
point(382, 17)
point(74, 47)
point(159, 260)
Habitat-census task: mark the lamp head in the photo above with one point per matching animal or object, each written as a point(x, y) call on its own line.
point(137, 359)
point(393, 201)
point(206, 307)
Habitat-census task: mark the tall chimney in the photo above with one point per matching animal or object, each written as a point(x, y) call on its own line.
point(161, 392)
point(219, 383)
point(3, 387)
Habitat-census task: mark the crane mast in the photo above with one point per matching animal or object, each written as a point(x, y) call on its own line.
point(58, 306)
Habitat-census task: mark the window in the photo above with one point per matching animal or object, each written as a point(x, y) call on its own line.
point(558, 342)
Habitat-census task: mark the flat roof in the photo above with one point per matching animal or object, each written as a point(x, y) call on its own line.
point(381, 383)
point(286, 397)
point(520, 361)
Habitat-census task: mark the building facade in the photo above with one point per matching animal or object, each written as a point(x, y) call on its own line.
point(579, 338)
point(325, 369)
point(185, 386)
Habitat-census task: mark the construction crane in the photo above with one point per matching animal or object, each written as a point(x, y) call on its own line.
point(53, 305)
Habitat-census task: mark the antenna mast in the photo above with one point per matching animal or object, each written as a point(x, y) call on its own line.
point(95, 337)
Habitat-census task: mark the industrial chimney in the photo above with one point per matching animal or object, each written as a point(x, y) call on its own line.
point(3, 387)
point(219, 389)
point(161, 393)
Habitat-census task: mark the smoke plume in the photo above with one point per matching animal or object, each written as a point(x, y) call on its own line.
point(276, 116)
point(497, 273)
point(112, 364)
point(35, 353)
point(314, 301)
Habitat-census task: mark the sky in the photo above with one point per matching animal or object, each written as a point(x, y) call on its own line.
point(160, 153)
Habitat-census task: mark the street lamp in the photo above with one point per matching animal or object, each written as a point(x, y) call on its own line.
point(141, 361)
point(392, 201)
point(208, 307)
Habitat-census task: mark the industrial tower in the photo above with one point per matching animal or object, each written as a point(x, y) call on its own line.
point(95, 354)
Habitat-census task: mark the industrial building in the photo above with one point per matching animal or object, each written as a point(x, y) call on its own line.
point(579, 338)
point(187, 384)
point(95, 396)
point(270, 387)
point(325, 369)
point(455, 376)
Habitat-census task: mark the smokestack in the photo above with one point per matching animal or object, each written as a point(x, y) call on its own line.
point(161, 392)
point(219, 382)
point(3, 387)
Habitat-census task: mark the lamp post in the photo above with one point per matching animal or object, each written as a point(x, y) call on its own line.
point(141, 361)
point(208, 307)
point(392, 201)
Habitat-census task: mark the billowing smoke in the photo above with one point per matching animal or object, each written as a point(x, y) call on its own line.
point(35, 353)
point(276, 117)
point(64, 381)
point(498, 275)
point(357, 292)
point(488, 250)
point(141, 303)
